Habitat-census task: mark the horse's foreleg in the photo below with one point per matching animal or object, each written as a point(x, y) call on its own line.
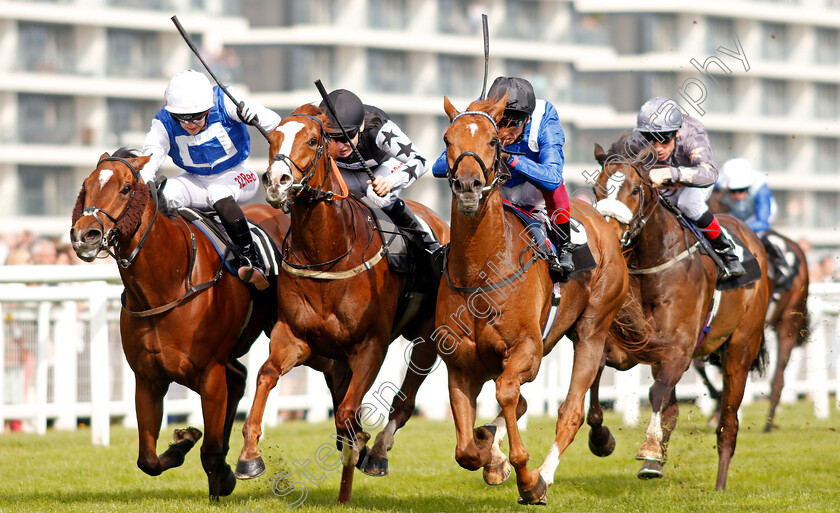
point(148, 400)
point(214, 402)
point(601, 441)
point(588, 362)
point(421, 362)
point(522, 367)
point(235, 378)
point(498, 470)
point(463, 391)
point(663, 401)
point(286, 352)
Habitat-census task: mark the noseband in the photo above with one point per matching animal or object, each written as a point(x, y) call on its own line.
point(110, 238)
point(305, 191)
point(640, 216)
point(501, 175)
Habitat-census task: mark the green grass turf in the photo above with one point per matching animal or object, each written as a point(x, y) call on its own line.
point(795, 468)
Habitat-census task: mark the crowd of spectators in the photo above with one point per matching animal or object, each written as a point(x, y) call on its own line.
point(27, 248)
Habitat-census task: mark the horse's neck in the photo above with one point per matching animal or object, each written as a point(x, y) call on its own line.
point(661, 239)
point(323, 230)
point(477, 240)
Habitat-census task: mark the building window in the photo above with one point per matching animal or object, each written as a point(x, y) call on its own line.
point(719, 32)
point(791, 208)
point(775, 99)
point(459, 76)
point(774, 155)
point(591, 89)
point(134, 53)
point(658, 33)
point(825, 209)
point(46, 48)
point(723, 146)
point(127, 118)
point(522, 20)
point(774, 41)
point(826, 104)
point(157, 5)
point(591, 29)
point(46, 190)
point(460, 16)
point(720, 95)
point(827, 46)
point(388, 14)
point(388, 71)
point(826, 155)
point(657, 84)
point(46, 119)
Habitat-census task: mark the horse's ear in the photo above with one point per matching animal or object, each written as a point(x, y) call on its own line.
point(600, 154)
point(498, 109)
point(104, 156)
point(139, 162)
point(450, 109)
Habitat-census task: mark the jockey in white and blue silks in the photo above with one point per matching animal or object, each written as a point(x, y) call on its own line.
point(530, 130)
point(748, 198)
point(205, 134)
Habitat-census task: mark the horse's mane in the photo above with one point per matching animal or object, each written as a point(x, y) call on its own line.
point(482, 105)
point(311, 110)
point(126, 153)
point(645, 157)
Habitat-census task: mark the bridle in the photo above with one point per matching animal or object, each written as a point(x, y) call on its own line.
point(640, 216)
point(304, 191)
point(501, 174)
point(110, 238)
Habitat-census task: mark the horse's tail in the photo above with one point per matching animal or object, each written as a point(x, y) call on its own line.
point(630, 326)
point(760, 362)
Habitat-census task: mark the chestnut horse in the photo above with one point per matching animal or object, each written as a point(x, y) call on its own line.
point(183, 318)
point(787, 315)
point(674, 285)
point(491, 328)
point(339, 299)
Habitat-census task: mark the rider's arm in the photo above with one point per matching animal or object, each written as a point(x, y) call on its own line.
point(700, 169)
point(157, 146)
point(763, 200)
point(404, 163)
point(268, 118)
point(546, 172)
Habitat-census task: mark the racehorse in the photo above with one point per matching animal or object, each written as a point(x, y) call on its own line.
point(675, 287)
point(183, 318)
point(494, 330)
point(339, 300)
point(787, 315)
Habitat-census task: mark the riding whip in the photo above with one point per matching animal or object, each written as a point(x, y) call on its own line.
point(486, 53)
point(329, 105)
point(189, 42)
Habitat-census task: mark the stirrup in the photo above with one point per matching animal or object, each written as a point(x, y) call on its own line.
point(254, 276)
point(563, 261)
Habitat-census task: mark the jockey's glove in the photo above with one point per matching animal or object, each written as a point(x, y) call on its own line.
point(247, 110)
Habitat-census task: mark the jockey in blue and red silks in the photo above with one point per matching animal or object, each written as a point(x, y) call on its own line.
point(532, 144)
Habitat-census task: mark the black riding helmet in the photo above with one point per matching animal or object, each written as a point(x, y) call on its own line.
point(348, 108)
point(521, 99)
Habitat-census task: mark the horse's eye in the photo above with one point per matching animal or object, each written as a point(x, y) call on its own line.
point(493, 142)
point(126, 189)
point(313, 142)
point(636, 189)
point(445, 141)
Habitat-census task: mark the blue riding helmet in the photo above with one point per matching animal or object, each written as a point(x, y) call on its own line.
point(659, 115)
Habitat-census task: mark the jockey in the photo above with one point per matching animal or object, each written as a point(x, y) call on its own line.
point(394, 160)
point(205, 134)
point(531, 133)
point(684, 159)
point(749, 198)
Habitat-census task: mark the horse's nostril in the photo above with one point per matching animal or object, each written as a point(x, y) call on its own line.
point(456, 185)
point(476, 185)
point(285, 180)
point(92, 235)
point(266, 180)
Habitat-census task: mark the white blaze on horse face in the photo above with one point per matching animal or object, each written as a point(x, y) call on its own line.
point(473, 129)
point(104, 176)
point(611, 206)
point(279, 168)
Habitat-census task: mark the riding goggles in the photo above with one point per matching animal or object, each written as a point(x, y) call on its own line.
point(514, 121)
point(186, 119)
point(339, 136)
point(660, 137)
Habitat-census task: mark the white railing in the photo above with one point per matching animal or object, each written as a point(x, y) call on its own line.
point(62, 361)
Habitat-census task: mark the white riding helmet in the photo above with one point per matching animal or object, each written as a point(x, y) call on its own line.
point(189, 92)
point(739, 174)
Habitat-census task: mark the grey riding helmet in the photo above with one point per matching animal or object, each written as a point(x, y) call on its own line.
point(521, 99)
point(659, 115)
point(348, 108)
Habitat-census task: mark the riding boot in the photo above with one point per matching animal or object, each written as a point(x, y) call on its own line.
point(251, 268)
point(560, 234)
point(725, 249)
point(777, 258)
point(405, 219)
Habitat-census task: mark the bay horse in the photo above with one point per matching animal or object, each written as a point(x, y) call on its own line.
point(787, 315)
point(675, 287)
point(339, 300)
point(183, 318)
point(492, 328)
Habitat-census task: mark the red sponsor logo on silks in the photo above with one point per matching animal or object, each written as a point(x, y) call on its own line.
point(401, 164)
point(244, 179)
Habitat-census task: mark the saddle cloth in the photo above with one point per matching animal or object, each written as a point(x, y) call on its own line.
point(211, 226)
point(747, 260)
point(535, 222)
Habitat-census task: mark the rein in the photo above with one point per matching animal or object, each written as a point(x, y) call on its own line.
point(523, 268)
point(500, 174)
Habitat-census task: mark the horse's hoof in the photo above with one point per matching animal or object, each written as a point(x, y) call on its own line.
point(537, 496)
point(496, 474)
point(601, 448)
point(769, 427)
point(362, 455)
point(228, 483)
point(374, 465)
point(250, 469)
point(650, 470)
point(191, 433)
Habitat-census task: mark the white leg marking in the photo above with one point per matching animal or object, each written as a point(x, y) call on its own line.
point(552, 459)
